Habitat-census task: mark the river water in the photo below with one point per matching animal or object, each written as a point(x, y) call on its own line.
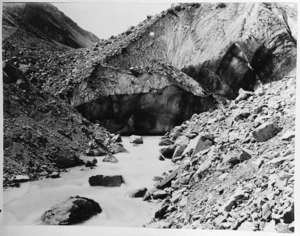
point(25, 205)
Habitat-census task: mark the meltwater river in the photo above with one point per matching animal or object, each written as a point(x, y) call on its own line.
point(25, 205)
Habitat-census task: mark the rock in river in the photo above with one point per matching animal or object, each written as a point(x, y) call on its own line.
point(110, 158)
point(71, 211)
point(107, 181)
point(136, 139)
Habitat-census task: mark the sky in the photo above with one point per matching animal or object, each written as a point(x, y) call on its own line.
point(106, 19)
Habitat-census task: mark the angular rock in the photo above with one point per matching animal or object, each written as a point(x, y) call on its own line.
point(158, 178)
point(289, 215)
point(91, 163)
point(71, 211)
point(200, 172)
point(231, 158)
point(229, 204)
point(167, 181)
point(117, 148)
point(21, 178)
point(182, 141)
point(136, 139)
point(288, 135)
point(204, 142)
point(160, 214)
point(177, 195)
point(245, 154)
point(241, 114)
point(168, 151)
point(54, 175)
point(139, 193)
point(178, 151)
point(117, 138)
point(243, 95)
point(282, 228)
point(165, 142)
point(159, 194)
point(68, 161)
point(266, 210)
point(110, 158)
point(107, 181)
point(265, 131)
point(95, 152)
point(258, 163)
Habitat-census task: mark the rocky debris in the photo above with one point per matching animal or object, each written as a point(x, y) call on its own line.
point(136, 139)
point(243, 181)
point(106, 181)
point(110, 158)
point(42, 130)
point(139, 193)
point(91, 163)
point(72, 211)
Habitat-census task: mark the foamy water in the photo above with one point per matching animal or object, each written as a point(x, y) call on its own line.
point(25, 205)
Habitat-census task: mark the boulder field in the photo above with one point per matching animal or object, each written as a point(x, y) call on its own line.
point(243, 178)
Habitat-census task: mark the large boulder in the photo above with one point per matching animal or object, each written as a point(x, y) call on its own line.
point(71, 211)
point(136, 139)
point(107, 181)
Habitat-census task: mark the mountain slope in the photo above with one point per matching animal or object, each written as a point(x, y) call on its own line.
point(46, 21)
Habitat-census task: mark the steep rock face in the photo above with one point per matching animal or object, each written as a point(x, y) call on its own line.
point(43, 20)
point(140, 101)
